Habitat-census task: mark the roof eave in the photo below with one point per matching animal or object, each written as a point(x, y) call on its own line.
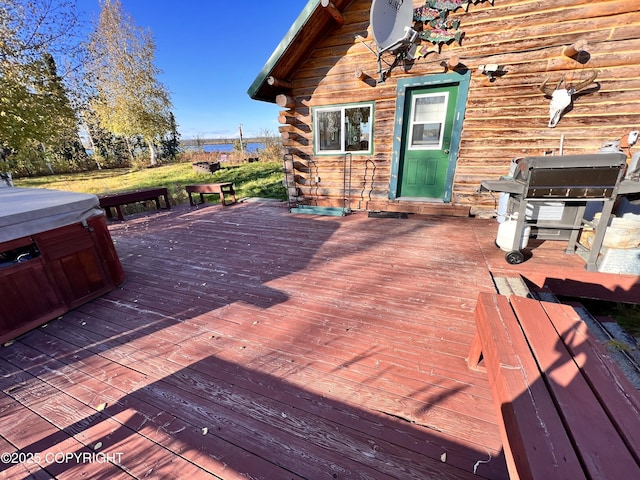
point(259, 89)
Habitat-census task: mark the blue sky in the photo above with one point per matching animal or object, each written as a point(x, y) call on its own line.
point(210, 52)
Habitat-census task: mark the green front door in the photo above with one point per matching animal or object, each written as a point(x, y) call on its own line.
point(426, 142)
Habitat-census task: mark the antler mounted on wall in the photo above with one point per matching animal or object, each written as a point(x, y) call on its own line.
point(561, 97)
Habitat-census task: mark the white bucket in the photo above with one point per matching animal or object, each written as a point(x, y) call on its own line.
point(622, 233)
point(507, 233)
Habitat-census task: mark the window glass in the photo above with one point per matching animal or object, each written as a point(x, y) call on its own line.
point(428, 117)
point(328, 129)
point(357, 128)
point(340, 129)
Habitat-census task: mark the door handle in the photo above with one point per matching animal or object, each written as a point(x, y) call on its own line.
point(446, 150)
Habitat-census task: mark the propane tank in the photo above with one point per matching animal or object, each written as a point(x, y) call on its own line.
point(507, 233)
point(633, 171)
point(611, 147)
point(503, 201)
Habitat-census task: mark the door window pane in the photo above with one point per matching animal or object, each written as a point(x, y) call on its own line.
point(424, 134)
point(427, 120)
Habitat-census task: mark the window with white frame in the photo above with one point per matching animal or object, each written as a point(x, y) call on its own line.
point(343, 128)
point(427, 121)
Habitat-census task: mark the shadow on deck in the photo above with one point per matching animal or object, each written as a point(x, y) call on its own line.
point(249, 342)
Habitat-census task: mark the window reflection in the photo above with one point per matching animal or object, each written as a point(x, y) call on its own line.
point(328, 125)
point(429, 114)
point(357, 128)
point(342, 129)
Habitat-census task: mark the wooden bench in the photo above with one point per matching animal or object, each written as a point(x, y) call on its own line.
point(116, 200)
point(219, 188)
point(565, 408)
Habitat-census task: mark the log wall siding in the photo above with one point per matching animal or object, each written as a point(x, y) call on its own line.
point(505, 118)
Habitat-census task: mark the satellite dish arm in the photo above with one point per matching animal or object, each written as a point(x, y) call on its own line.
point(409, 38)
point(398, 48)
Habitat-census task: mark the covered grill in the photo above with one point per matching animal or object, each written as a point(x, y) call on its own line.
point(550, 195)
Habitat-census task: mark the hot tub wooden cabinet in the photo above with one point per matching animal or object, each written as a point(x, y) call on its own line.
point(56, 253)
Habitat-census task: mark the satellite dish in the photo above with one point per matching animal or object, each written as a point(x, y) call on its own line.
point(391, 23)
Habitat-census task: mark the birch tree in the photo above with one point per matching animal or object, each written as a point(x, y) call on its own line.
point(129, 99)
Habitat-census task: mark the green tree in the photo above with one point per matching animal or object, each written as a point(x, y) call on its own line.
point(37, 116)
point(34, 108)
point(170, 143)
point(63, 148)
point(130, 101)
point(108, 150)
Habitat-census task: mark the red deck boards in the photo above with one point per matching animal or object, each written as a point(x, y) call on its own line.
point(306, 346)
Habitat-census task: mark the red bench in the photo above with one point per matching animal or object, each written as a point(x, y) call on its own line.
point(565, 408)
point(116, 200)
point(219, 188)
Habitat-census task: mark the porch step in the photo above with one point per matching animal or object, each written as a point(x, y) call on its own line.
point(418, 208)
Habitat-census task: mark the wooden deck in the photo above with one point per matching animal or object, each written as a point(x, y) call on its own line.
point(248, 342)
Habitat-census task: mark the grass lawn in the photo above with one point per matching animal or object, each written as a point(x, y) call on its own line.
point(257, 179)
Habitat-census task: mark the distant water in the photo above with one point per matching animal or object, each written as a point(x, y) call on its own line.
point(225, 147)
point(228, 147)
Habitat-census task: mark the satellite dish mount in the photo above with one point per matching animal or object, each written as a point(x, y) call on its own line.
point(391, 25)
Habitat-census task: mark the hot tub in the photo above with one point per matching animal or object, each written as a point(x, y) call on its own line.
point(56, 253)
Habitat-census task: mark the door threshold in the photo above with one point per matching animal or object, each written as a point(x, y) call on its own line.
point(419, 199)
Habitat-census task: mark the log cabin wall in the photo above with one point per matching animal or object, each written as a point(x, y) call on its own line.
point(505, 118)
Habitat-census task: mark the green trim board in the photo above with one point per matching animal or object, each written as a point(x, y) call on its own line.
point(283, 46)
point(405, 85)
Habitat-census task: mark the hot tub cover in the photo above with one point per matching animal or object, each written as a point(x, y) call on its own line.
point(27, 211)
